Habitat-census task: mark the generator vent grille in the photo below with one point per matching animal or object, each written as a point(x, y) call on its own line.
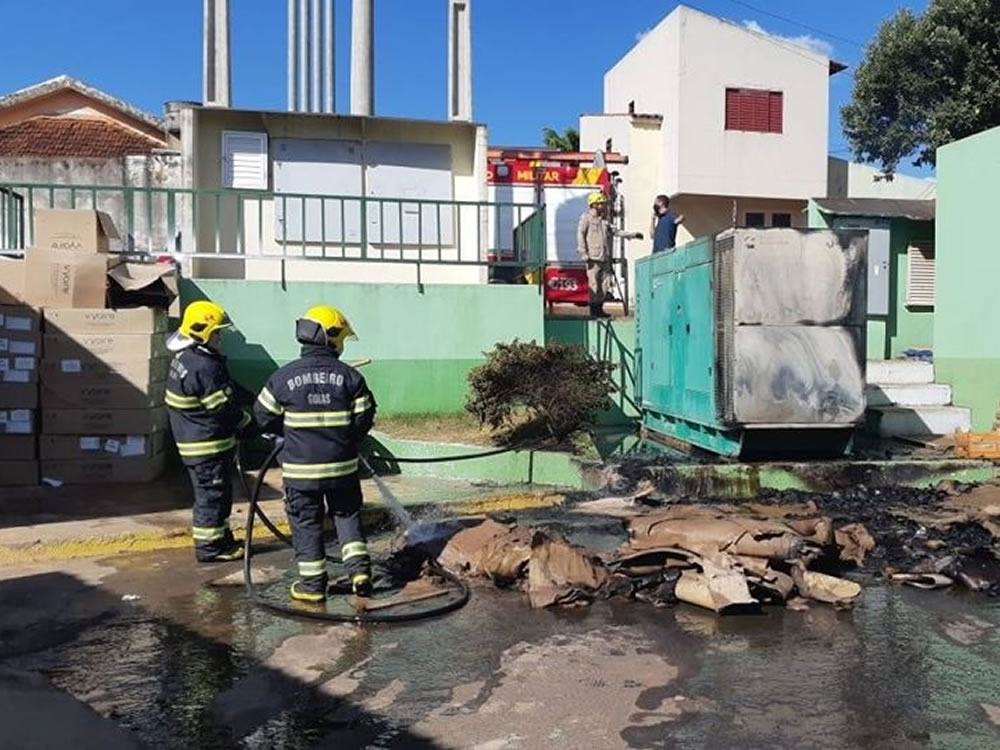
point(724, 328)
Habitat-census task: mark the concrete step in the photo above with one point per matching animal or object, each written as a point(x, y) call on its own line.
point(899, 372)
point(929, 394)
point(921, 420)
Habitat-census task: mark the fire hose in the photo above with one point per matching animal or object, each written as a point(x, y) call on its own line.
point(361, 616)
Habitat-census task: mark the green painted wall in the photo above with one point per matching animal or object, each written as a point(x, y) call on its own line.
point(613, 341)
point(422, 343)
point(907, 327)
point(967, 247)
point(888, 336)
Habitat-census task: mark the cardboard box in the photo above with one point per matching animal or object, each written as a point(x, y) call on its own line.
point(135, 320)
point(17, 422)
point(103, 421)
point(18, 396)
point(76, 447)
point(140, 374)
point(19, 319)
point(107, 347)
point(18, 473)
point(99, 396)
point(18, 447)
point(102, 470)
point(63, 278)
point(12, 279)
point(77, 230)
point(144, 285)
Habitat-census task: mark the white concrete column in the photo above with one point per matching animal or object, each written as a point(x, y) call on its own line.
point(459, 60)
point(292, 57)
point(303, 71)
point(216, 89)
point(330, 90)
point(316, 39)
point(362, 57)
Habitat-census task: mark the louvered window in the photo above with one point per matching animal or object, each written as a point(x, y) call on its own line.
point(754, 110)
point(920, 274)
point(244, 160)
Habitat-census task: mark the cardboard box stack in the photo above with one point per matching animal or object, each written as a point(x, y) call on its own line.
point(20, 353)
point(98, 386)
point(103, 380)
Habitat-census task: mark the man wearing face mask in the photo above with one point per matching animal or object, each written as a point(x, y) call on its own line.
point(663, 225)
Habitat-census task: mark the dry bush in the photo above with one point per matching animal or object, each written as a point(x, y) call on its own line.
point(528, 392)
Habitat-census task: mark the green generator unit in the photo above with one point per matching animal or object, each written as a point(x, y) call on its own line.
point(751, 343)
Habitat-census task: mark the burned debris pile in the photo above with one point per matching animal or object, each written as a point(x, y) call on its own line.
point(789, 549)
point(702, 555)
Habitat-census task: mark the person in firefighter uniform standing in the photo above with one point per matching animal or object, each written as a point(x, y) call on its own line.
point(205, 419)
point(325, 409)
point(594, 235)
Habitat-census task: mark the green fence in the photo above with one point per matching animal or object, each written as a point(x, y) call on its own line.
point(242, 224)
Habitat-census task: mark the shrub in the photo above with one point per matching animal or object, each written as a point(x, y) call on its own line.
point(541, 393)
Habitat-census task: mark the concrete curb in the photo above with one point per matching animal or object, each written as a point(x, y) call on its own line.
point(730, 480)
point(517, 467)
point(172, 536)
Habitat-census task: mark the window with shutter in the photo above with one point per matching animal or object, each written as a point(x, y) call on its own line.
point(920, 274)
point(244, 160)
point(754, 110)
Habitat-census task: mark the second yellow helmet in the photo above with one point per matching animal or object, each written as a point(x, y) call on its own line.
point(333, 323)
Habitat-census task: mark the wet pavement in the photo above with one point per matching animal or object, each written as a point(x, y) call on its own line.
point(143, 645)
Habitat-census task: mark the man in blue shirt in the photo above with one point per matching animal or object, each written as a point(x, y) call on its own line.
point(663, 225)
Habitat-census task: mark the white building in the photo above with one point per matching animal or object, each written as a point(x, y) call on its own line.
point(730, 122)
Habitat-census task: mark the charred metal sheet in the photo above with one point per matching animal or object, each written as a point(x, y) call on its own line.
point(797, 375)
point(795, 278)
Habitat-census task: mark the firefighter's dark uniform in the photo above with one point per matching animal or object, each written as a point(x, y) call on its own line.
point(204, 418)
point(326, 409)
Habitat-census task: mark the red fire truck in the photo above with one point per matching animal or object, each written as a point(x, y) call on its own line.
point(560, 182)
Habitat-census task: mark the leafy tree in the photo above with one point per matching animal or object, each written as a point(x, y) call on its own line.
point(525, 391)
point(926, 80)
point(568, 140)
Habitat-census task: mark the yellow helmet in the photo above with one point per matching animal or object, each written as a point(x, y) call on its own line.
point(201, 320)
point(324, 324)
point(595, 198)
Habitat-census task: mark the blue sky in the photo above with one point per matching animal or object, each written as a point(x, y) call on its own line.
point(536, 63)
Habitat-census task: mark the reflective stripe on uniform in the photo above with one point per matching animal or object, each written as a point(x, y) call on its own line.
point(214, 400)
point(362, 404)
point(180, 401)
point(208, 533)
point(244, 421)
point(305, 419)
point(353, 549)
point(319, 471)
point(310, 568)
point(206, 447)
point(267, 400)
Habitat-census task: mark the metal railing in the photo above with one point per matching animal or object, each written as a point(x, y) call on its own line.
point(245, 224)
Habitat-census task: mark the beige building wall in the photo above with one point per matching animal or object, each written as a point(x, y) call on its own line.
point(256, 214)
point(681, 70)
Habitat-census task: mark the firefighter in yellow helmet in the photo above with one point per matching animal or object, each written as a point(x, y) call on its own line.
point(205, 418)
point(325, 409)
point(594, 234)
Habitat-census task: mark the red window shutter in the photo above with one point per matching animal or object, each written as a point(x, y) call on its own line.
point(754, 110)
point(732, 109)
point(776, 115)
